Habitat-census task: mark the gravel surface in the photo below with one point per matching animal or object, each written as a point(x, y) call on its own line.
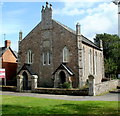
point(106, 97)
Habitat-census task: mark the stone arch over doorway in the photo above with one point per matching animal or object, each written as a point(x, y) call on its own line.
point(62, 77)
point(25, 81)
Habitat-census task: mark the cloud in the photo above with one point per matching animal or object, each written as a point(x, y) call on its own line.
point(74, 8)
point(102, 19)
point(94, 17)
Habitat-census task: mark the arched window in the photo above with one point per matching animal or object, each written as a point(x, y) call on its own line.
point(65, 54)
point(83, 60)
point(46, 58)
point(29, 57)
point(49, 58)
point(95, 63)
point(90, 62)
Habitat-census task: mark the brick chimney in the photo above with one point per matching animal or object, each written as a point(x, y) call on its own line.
point(7, 43)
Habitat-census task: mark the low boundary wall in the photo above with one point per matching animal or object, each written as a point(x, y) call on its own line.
point(8, 88)
point(61, 91)
point(106, 86)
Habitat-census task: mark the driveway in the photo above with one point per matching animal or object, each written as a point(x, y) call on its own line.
point(106, 97)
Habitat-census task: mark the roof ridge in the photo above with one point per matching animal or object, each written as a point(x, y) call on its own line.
point(66, 27)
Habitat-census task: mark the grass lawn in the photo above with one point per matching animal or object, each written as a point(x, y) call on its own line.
point(30, 105)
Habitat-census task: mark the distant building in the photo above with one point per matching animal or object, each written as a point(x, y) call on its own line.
point(8, 61)
point(58, 54)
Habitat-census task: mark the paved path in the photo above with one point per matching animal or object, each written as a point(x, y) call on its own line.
point(107, 97)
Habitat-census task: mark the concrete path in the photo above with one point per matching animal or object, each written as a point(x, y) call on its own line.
point(106, 97)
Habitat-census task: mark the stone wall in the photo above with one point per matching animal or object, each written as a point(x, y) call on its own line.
point(106, 86)
point(61, 91)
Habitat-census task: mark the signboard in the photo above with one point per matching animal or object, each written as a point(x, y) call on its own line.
point(2, 73)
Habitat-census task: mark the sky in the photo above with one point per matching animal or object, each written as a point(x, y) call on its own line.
point(95, 17)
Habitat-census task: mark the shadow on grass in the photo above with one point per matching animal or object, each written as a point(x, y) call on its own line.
point(66, 109)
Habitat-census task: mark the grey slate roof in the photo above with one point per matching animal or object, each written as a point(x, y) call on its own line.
point(65, 67)
point(26, 67)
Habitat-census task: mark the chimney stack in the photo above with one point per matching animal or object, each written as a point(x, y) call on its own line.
point(7, 43)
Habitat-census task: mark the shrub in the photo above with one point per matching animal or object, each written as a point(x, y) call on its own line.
point(66, 85)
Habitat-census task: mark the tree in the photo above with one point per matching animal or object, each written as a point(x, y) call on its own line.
point(111, 51)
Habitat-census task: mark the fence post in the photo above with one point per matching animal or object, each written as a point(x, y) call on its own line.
point(91, 85)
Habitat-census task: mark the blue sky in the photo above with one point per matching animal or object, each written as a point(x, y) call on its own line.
point(94, 17)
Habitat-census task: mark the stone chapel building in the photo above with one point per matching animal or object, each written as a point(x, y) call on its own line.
point(58, 54)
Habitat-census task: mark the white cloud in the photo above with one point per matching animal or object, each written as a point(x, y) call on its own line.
point(74, 8)
point(102, 19)
point(96, 17)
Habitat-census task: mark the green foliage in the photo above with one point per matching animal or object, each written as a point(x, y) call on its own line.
point(110, 66)
point(26, 106)
point(66, 85)
point(111, 51)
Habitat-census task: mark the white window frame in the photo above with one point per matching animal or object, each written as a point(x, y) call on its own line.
point(90, 61)
point(65, 54)
point(29, 57)
point(83, 60)
point(44, 58)
point(48, 58)
point(95, 63)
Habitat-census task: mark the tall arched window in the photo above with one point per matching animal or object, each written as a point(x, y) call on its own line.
point(46, 58)
point(90, 62)
point(29, 57)
point(49, 58)
point(83, 60)
point(95, 63)
point(65, 54)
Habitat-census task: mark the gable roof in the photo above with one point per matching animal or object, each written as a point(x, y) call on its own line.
point(4, 49)
point(84, 39)
point(26, 67)
point(66, 27)
point(65, 67)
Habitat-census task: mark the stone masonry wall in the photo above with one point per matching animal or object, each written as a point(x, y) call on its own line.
point(99, 71)
point(106, 86)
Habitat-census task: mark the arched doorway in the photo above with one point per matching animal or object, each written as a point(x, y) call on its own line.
point(25, 81)
point(62, 77)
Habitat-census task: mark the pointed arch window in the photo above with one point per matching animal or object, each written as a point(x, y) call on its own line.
point(90, 61)
point(95, 63)
point(46, 58)
point(65, 54)
point(29, 57)
point(83, 58)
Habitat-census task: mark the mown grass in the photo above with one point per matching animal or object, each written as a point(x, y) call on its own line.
point(14, 105)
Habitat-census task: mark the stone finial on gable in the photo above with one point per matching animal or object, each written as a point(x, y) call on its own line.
point(43, 8)
point(46, 4)
point(20, 35)
point(50, 6)
point(78, 29)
